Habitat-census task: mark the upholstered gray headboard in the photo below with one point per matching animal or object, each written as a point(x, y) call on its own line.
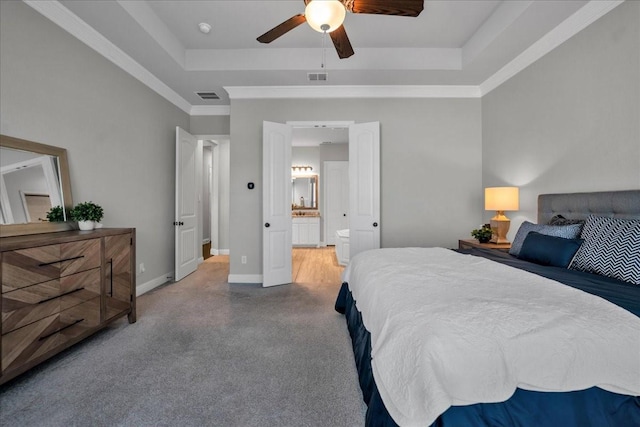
point(617, 204)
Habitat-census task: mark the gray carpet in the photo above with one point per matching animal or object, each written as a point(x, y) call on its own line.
point(203, 353)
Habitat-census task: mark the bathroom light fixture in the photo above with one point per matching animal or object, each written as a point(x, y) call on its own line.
point(204, 27)
point(325, 16)
point(500, 199)
point(301, 168)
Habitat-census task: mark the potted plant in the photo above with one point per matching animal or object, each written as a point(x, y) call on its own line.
point(482, 234)
point(55, 214)
point(87, 214)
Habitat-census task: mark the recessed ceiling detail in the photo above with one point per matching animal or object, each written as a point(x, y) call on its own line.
point(462, 48)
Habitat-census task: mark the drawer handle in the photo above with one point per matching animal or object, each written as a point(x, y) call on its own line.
point(61, 295)
point(110, 277)
point(62, 260)
point(61, 329)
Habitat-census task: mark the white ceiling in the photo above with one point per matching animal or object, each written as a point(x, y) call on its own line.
point(453, 43)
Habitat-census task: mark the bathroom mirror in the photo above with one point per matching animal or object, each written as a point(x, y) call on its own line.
point(34, 178)
point(304, 192)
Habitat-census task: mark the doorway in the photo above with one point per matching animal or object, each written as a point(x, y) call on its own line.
point(202, 199)
point(364, 161)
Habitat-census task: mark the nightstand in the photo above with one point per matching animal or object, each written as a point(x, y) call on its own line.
point(473, 243)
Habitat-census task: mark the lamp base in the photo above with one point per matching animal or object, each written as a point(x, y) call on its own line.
point(499, 227)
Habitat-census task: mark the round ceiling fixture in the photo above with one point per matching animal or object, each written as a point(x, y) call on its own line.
point(325, 15)
point(204, 27)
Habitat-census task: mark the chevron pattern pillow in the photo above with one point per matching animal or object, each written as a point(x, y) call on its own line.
point(611, 248)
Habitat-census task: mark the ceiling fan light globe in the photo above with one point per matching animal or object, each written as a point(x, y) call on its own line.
point(320, 13)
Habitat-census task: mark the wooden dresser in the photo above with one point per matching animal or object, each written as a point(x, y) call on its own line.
point(59, 288)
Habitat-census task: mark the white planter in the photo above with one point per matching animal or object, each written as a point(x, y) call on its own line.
point(86, 225)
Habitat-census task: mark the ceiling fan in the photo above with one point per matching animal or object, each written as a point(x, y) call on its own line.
point(326, 16)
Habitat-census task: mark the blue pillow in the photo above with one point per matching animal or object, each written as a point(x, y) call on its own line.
point(571, 231)
point(549, 250)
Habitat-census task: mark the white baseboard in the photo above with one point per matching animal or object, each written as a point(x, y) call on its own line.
point(154, 283)
point(215, 252)
point(200, 260)
point(245, 278)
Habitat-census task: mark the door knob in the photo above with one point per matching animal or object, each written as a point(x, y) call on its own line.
point(267, 225)
point(344, 214)
point(375, 224)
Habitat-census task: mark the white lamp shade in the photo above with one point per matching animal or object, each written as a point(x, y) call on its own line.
point(501, 198)
point(321, 12)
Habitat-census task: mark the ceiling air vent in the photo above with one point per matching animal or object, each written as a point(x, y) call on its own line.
point(208, 95)
point(317, 77)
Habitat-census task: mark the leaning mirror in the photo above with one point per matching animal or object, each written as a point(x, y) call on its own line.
point(304, 189)
point(34, 178)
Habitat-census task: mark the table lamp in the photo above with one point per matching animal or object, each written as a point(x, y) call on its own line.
point(500, 199)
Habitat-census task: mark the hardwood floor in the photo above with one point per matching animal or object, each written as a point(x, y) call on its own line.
point(315, 266)
point(310, 266)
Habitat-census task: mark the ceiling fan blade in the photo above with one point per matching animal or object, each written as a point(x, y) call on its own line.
point(385, 7)
point(341, 42)
point(281, 29)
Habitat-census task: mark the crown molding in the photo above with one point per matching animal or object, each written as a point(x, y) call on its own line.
point(295, 92)
point(64, 18)
point(68, 21)
point(571, 26)
point(210, 110)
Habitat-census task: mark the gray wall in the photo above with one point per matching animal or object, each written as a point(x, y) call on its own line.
point(209, 125)
point(430, 167)
point(119, 134)
point(571, 121)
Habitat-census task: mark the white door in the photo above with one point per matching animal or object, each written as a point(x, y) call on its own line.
point(364, 183)
point(188, 162)
point(336, 190)
point(276, 202)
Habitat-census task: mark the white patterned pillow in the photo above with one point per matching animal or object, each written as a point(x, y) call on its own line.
point(611, 248)
point(571, 231)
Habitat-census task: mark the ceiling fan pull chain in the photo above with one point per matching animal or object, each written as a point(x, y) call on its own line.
point(324, 38)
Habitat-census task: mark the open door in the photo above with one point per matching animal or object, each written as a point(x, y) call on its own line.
point(276, 202)
point(187, 239)
point(364, 183)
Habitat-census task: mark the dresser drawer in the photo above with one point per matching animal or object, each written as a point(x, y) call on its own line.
point(26, 305)
point(79, 287)
point(29, 304)
point(25, 344)
point(28, 343)
point(79, 256)
point(80, 318)
point(26, 267)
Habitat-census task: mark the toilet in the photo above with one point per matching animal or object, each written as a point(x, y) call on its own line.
point(342, 246)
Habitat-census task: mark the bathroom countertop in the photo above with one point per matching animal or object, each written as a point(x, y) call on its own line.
point(298, 214)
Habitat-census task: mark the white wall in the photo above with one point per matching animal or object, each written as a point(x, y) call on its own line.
point(118, 133)
point(431, 152)
point(570, 122)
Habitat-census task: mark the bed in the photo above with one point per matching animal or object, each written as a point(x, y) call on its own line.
point(477, 337)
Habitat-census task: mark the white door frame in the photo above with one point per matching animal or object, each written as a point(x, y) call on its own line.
point(215, 140)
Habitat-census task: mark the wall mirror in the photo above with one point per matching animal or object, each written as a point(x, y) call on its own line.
point(34, 178)
point(304, 192)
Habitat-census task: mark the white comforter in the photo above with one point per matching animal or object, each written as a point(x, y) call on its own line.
point(451, 329)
